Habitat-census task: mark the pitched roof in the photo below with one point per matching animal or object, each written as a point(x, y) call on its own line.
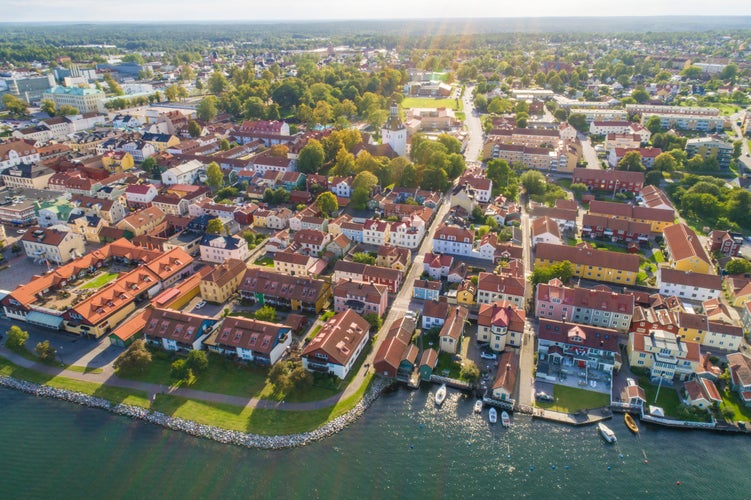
point(508, 369)
point(683, 243)
point(245, 333)
point(372, 293)
point(591, 336)
point(306, 290)
point(339, 337)
point(740, 367)
point(701, 280)
point(585, 255)
point(396, 344)
point(454, 325)
point(501, 283)
point(592, 298)
point(174, 325)
point(224, 273)
point(503, 314)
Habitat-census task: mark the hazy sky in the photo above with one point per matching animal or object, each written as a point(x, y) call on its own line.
point(208, 10)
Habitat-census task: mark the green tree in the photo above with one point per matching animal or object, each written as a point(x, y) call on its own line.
point(45, 351)
point(374, 320)
point(345, 163)
point(653, 178)
point(363, 258)
point(215, 226)
point(214, 175)
point(194, 129)
point(654, 124)
point(729, 73)
point(579, 122)
point(409, 176)
point(640, 95)
point(114, 87)
point(266, 313)
point(150, 165)
point(665, 162)
point(217, 83)
point(135, 359)
point(16, 338)
point(631, 161)
point(360, 198)
point(692, 72)
point(48, 106)
point(327, 203)
point(435, 179)
point(578, 189)
point(67, 110)
point(198, 361)
point(738, 266)
point(180, 370)
point(224, 145)
point(279, 377)
point(533, 182)
point(15, 105)
point(311, 157)
point(562, 270)
point(299, 377)
point(206, 109)
point(469, 372)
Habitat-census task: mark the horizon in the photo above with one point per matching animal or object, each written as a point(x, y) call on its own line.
point(237, 11)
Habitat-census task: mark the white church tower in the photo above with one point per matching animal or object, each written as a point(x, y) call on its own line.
point(394, 133)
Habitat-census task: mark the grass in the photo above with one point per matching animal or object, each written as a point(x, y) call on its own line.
point(730, 400)
point(564, 183)
point(265, 261)
point(259, 421)
point(668, 399)
point(445, 362)
point(658, 257)
point(76, 368)
point(429, 102)
point(601, 245)
point(571, 400)
point(100, 280)
point(726, 109)
point(314, 332)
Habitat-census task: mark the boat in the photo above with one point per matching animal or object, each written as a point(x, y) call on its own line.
point(606, 433)
point(493, 416)
point(440, 395)
point(478, 406)
point(505, 419)
point(631, 423)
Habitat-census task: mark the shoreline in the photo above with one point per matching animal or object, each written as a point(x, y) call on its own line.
point(190, 427)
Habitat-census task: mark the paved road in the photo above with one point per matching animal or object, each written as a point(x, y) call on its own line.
point(474, 128)
point(588, 152)
point(526, 353)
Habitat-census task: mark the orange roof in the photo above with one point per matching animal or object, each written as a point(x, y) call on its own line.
point(131, 327)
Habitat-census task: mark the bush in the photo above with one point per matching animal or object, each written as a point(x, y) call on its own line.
point(45, 351)
point(197, 361)
point(16, 338)
point(469, 372)
point(180, 370)
point(136, 358)
point(266, 313)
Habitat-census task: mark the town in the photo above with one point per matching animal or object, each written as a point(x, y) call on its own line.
point(559, 228)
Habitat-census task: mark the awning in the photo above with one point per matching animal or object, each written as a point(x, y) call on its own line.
point(45, 320)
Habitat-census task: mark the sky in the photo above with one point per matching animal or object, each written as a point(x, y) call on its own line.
point(301, 10)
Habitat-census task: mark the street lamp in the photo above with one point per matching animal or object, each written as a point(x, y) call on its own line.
point(60, 353)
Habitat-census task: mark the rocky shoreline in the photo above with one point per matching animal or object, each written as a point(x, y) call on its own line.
point(217, 434)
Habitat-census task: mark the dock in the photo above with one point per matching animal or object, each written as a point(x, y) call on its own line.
point(576, 419)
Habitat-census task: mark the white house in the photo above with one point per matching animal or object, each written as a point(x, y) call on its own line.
point(341, 186)
point(217, 249)
point(688, 285)
point(337, 345)
point(375, 232)
point(408, 233)
point(453, 240)
point(185, 173)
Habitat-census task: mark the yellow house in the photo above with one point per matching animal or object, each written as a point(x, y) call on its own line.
point(685, 251)
point(161, 141)
point(143, 221)
point(466, 293)
point(665, 354)
point(393, 257)
point(223, 281)
point(739, 288)
point(87, 226)
point(591, 264)
point(117, 161)
point(292, 264)
point(261, 218)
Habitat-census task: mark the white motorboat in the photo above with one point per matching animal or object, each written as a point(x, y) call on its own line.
point(493, 416)
point(606, 433)
point(440, 395)
point(478, 406)
point(505, 419)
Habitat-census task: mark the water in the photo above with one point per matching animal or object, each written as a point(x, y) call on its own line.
point(403, 447)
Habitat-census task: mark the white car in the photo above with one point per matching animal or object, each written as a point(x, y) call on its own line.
point(21, 231)
point(488, 355)
point(200, 304)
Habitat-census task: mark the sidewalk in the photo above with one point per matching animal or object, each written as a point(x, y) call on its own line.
point(107, 377)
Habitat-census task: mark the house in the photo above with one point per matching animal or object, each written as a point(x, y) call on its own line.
point(112, 211)
point(434, 314)
point(466, 293)
point(588, 263)
point(740, 375)
point(426, 290)
point(453, 240)
point(278, 219)
point(219, 285)
point(312, 241)
point(609, 180)
point(407, 233)
point(337, 346)
point(499, 324)
point(88, 226)
point(437, 266)
point(591, 350)
point(52, 245)
point(665, 354)
point(654, 197)
point(646, 155)
point(393, 257)
point(184, 173)
point(616, 230)
point(341, 186)
point(216, 248)
point(685, 251)
point(139, 196)
point(428, 362)
point(657, 218)
point(247, 339)
point(142, 222)
point(392, 278)
point(397, 356)
point(634, 395)
point(375, 232)
point(598, 306)
point(689, 285)
point(504, 383)
point(481, 187)
point(363, 298)
point(177, 331)
point(294, 264)
point(450, 336)
point(297, 293)
point(493, 287)
point(725, 243)
point(702, 393)
point(33, 175)
point(711, 147)
point(739, 289)
point(746, 317)
point(545, 230)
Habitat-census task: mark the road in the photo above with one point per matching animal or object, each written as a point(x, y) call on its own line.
point(474, 128)
point(588, 152)
point(745, 153)
point(526, 353)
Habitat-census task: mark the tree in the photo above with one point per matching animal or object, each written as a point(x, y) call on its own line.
point(215, 226)
point(206, 109)
point(327, 203)
point(640, 95)
point(194, 129)
point(469, 372)
point(48, 106)
point(67, 110)
point(311, 157)
point(562, 270)
point(363, 258)
point(653, 178)
point(365, 180)
point(738, 266)
point(16, 338)
point(214, 175)
point(665, 162)
point(217, 83)
point(224, 145)
point(578, 121)
point(135, 359)
point(266, 313)
point(692, 72)
point(654, 124)
point(150, 165)
point(409, 176)
point(631, 162)
point(198, 361)
point(45, 351)
point(729, 73)
point(114, 87)
point(299, 377)
point(15, 105)
point(578, 189)
point(345, 163)
point(374, 320)
point(180, 370)
point(360, 198)
point(533, 182)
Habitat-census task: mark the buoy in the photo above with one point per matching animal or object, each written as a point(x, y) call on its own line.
point(621, 455)
point(677, 483)
point(552, 467)
point(508, 456)
point(420, 426)
point(646, 461)
point(566, 467)
point(531, 467)
point(412, 447)
point(609, 467)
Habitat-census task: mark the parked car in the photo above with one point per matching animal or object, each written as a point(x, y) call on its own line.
point(488, 355)
point(200, 304)
point(544, 396)
point(630, 381)
point(21, 231)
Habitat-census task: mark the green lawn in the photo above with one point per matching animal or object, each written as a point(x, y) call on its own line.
point(100, 280)
point(314, 332)
point(726, 109)
point(731, 401)
point(259, 421)
point(564, 183)
point(571, 400)
point(658, 257)
point(265, 261)
point(445, 362)
point(429, 102)
point(33, 357)
point(601, 245)
point(668, 399)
